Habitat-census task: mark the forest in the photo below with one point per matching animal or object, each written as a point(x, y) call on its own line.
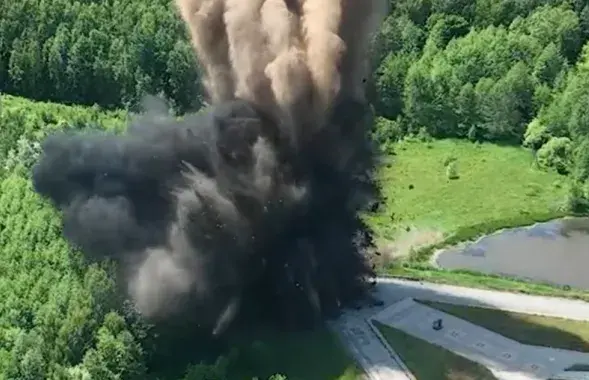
point(508, 72)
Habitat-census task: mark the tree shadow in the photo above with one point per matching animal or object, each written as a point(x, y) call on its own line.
point(251, 351)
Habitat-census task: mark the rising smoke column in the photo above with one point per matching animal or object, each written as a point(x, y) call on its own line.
point(253, 203)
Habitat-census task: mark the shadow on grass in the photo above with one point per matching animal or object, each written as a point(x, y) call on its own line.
point(310, 355)
point(255, 353)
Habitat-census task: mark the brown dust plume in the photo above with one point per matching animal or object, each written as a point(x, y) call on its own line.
point(250, 207)
point(293, 58)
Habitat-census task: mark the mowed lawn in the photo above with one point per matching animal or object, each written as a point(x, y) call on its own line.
point(495, 182)
point(430, 362)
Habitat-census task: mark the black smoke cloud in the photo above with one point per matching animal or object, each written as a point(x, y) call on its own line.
point(253, 203)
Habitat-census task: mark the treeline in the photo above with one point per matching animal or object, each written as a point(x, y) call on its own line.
point(458, 78)
point(61, 318)
point(502, 71)
point(108, 53)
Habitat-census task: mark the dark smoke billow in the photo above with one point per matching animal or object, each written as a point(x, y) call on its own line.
point(252, 204)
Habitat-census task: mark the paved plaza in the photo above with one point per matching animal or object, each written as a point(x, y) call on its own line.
point(506, 358)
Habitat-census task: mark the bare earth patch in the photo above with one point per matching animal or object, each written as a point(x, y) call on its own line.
point(406, 241)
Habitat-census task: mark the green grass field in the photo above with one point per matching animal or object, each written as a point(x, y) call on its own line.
point(495, 183)
point(497, 187)
point(430, 362)
point(426, 272)
point(260, 353)
point(316, 355)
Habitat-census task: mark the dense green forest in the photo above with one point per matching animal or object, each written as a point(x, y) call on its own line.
point(87, 52)
point(512, 72)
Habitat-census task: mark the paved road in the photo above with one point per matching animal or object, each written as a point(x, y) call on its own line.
point(382, 363)
point(392, 290)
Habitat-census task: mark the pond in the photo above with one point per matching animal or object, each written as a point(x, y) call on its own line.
point(556, 252)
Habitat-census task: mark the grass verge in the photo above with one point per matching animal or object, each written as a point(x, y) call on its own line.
point(430, 362)
point(425, 272)
point(468, 233)
point(525, 328)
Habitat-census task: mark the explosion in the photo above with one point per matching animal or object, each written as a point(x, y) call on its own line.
point(253, 203)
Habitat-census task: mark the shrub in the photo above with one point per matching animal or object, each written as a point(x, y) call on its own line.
point(452, 171)
point(536, 135)
point(577, 201)
point(556, 154)
point(423, 135)
point(387, 130)
point(217, 371)
point(580, 158)
point(23, 156)
point(448, 160)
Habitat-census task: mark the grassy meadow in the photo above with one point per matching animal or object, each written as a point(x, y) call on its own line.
point(492, 182)
point(442, 192)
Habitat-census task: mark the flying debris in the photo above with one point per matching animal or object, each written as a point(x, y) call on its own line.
point(251, 204)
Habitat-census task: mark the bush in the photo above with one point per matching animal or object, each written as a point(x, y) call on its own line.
point(577, 201)
point(217, 371)
point(580, 159)
point(423, 135)
point(386, 133)
point(556, 154)
point(448, 160)
point(23, 156)
point(452, 171)
point(536, 135)
point(387, 130)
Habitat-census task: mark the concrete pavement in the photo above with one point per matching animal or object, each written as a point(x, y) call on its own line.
point(506, 358)
point(370, 351)
point(391, 290)
point(381, 362)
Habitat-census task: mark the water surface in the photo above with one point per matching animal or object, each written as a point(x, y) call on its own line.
point(555, 252)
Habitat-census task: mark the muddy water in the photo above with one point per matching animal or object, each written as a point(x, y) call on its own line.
point(555, 252)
